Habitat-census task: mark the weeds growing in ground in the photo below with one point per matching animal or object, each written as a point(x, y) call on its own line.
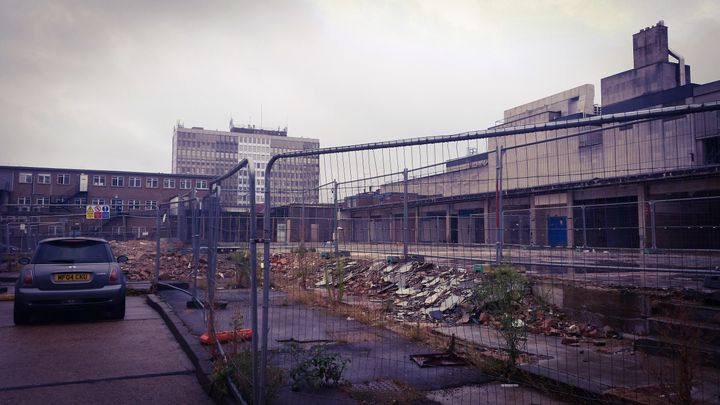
point(315, 367)
point(501, 295)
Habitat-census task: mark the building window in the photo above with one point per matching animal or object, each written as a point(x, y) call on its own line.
point(116, 204)
point(25, 178)
point(80, 202)
point(139, 231)
point(134, 204)
point(24, 200)
point(43, 178)
point(591, 139)
point(99, 181)
point(117, 181)
point(168, 183)
point(152, 182)
point(150, 205)
point(63, 179)
point(56, 230)
point(43, 201)
point(201, 184)
point(185, 184)
point(134, 182)
point(98, 201)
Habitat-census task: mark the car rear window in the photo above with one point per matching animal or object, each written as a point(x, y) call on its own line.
point(72, 251)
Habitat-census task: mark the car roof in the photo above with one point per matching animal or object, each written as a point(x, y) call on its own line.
point(75, 238)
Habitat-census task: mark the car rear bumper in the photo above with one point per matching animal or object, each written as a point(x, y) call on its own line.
point(34, 298)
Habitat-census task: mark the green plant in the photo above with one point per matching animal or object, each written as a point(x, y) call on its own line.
point(501, 295)
point(335, 281)
point(315, 368)
point(239, 370)
point(242, 262)
point(303, 265)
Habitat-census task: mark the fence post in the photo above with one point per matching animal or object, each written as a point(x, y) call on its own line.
point(336, 232)
point(156, 278)
point(180, 211)
point(499, 223)
point(195, 242)
point(302, 220)
point(266, 279)
point(584, 225)
point(7, 237)
point(405, 227)
point(652, 224)
point(212, 257)
point(257, 387)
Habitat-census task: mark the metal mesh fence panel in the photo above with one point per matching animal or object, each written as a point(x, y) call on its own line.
point(577, 260)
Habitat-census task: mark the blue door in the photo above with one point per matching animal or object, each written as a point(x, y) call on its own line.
point(557, 231)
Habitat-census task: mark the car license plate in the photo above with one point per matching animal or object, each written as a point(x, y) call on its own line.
point(71, 277)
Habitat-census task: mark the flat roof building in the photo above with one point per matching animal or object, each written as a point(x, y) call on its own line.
point(51, 201)
point(200, 151)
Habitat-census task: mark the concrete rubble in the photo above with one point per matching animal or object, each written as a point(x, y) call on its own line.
point(175, 261)
point(428, 293)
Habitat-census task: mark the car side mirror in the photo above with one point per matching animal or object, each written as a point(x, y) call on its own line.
point(122, 259)
point(24, 260)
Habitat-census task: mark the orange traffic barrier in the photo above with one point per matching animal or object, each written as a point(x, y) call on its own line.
point(227, 336)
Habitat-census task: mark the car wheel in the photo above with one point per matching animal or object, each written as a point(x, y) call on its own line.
point(119, 311)
point(21, 316)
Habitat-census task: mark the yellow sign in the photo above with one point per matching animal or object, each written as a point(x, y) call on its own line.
point(90, 212)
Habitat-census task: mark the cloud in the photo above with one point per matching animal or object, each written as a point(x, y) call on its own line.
point(100, 84)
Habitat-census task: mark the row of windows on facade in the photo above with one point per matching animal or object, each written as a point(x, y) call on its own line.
point(117, 181)
point(116, 203)
point(62, 230)
point(182, 143)
point(189, 140)
point(204, 154)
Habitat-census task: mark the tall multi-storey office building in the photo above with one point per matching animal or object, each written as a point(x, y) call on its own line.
point(210, 152)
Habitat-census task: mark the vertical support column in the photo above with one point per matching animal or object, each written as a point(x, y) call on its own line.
point(584, 226)
point(486, 221)
point(156, 277)
point(499, 222)
point(267, 230)
point(570, 230)
point(336, 231)
point(533, 222)
point(406, 220)
point(417, 224)
point(195, 243)
point(7, 237)
point(257, 391)
point(448, 222)
point(179, 215)
point(652, 225)
point(642, 210)
point(302, 220)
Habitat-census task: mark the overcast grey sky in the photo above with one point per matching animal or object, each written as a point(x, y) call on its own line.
point(100, 84)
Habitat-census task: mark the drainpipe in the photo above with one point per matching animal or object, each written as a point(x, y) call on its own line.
point(681, 63)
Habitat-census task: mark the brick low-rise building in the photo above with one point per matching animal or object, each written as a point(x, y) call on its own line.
point(48, 202)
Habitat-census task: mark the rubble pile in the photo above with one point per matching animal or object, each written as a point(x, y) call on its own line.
point(425, 292)
point(175, 261)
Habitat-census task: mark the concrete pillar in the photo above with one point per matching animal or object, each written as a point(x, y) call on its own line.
point(417, 224)
point(642, 207)
point(570, 222)
point(448, 227)
point(533, 222)
point(487, 223)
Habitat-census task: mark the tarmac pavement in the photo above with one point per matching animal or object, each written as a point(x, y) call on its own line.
point(83, 359)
